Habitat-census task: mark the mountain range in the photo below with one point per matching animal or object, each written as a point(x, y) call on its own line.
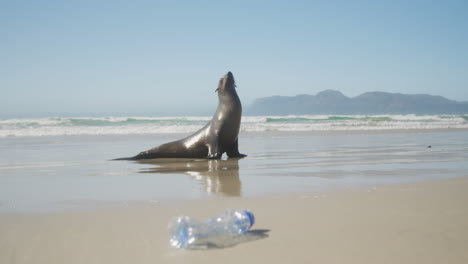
point(335, 102)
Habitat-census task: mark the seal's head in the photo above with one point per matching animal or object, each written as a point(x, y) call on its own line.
point(226, 83)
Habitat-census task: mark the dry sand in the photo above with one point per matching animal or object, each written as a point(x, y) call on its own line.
point(410, 223)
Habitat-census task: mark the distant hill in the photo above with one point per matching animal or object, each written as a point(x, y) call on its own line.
point(334, 102)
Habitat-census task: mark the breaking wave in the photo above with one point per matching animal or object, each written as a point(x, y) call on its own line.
point(54, 126)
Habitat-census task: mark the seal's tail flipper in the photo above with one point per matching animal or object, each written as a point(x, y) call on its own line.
point(142, 155)
point(129, 158)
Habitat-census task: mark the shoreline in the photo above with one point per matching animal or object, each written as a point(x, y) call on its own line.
point(425, 222)
point(250, 133)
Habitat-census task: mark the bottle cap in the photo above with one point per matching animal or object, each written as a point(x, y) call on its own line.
point(183, 236)
point(251, 217)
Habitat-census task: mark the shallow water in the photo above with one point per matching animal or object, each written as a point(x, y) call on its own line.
point(67, 172)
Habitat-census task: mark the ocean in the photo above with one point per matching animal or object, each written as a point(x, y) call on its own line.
point(61, 126)
point(49, 164)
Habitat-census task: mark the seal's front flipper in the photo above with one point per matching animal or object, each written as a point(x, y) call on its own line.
point(233, 151)
point(213, 149)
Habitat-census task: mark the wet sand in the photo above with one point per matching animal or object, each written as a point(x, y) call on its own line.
point(317, 198)
point(41, 174)
point(404, 223)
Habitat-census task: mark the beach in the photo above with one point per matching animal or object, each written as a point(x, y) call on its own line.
point(391, 196)
point(405, 223)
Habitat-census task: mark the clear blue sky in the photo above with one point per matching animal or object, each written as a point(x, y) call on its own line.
point(156, 57)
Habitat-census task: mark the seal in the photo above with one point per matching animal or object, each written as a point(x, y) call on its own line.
point(217, 137)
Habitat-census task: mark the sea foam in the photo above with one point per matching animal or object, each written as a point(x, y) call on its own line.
point(54, 126)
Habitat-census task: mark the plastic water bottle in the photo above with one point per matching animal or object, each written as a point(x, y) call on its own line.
point(217, 232)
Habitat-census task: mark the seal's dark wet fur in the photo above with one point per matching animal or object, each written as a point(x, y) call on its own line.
point(219, 136)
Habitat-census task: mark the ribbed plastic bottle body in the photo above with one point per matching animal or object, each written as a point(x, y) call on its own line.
point(218, 231)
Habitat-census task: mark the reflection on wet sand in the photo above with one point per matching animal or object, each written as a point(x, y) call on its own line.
point(216, 176)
